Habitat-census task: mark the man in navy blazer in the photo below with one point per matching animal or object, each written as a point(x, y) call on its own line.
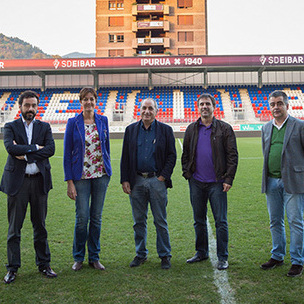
point(147, 162)
point(27, 179)
point(283, 182)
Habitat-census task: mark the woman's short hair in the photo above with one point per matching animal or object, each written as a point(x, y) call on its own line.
point(84, 91)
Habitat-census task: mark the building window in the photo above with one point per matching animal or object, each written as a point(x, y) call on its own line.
point(116, 38)
point(184, 3)
point(111, 38)
point(116, 21)
point(185, 51)
point(116, 53)
point(185, 36)
point(116, 4)
point(120, 5)
point(185, 20)
point(120, 38)
point(112, 5)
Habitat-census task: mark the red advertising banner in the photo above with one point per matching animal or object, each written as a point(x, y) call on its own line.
point(149, 62)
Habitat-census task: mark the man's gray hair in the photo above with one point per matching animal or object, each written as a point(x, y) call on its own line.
point(278, 93)
point(152, 100)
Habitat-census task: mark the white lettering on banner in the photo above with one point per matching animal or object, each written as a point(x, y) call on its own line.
point(193, 61)
point(177, 61)
point(155, 61)
point(285, 60)
point(78, 63)
point(1, 65)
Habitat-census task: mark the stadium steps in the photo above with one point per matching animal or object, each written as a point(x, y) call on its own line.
point(14, 110)
point(128, 117)
point(12, 114)
point(226, 105)
point(5, 114)
point(110, 104)
point(4, 98)
point(50, 111)
point(178, 105)
point(249, 113)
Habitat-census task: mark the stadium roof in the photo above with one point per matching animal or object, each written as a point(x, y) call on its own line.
point(158, 64)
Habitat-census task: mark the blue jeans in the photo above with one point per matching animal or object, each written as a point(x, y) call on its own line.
point(278, 200)
point(95, 188)
point(199, 195)
point(154, 191)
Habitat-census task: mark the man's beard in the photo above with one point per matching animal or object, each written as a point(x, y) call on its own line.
point(27, 116)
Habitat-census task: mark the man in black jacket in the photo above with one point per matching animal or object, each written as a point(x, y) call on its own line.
point(209, 163)
point(27, 179)
point(147, 162)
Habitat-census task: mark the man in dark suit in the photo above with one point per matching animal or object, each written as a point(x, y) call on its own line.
point(283, 183)
point(147, 162)
point(27, 179)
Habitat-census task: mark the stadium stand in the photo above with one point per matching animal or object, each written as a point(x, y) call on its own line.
point(177, 104)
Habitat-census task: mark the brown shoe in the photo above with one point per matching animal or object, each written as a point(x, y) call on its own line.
point(272, 263)
point(295, 271)
point(77, 266)
point(97, 265)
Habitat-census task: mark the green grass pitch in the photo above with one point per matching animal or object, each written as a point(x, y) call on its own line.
point(249, 246)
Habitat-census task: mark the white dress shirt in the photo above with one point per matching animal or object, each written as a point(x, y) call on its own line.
point(30, 168)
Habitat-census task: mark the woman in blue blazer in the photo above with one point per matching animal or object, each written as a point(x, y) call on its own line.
point(87, 169)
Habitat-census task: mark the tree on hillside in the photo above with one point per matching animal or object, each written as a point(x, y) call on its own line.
point(15, 48)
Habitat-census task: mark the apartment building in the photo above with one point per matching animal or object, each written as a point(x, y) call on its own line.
point(151, 27)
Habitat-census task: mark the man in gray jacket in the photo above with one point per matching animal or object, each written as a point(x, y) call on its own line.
point(283, 182)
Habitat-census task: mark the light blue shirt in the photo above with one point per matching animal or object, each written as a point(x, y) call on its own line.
point(30, 168)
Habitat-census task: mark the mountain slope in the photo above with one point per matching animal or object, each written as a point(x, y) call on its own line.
point(15, 48)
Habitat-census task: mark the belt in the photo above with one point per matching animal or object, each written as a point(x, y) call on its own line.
point(147, 174)
point(32, 175)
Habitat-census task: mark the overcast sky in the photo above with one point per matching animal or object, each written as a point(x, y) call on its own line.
point(234, 26)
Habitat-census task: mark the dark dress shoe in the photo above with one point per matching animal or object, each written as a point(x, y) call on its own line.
point(97, 265)
point(137, 261)
point(48, 272)
point(77, 266)
point(165, 262)
point(10, 277)
point(197, 258)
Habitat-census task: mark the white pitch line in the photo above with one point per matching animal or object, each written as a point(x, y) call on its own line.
point(220, 276)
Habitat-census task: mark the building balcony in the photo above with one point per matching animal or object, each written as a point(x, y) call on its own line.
point(150, 8)
point(163, 41)
point(150, 25)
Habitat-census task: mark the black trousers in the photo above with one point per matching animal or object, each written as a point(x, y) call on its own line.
point(30, 192)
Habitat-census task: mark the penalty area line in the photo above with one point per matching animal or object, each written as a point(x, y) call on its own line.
point(220, 277)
